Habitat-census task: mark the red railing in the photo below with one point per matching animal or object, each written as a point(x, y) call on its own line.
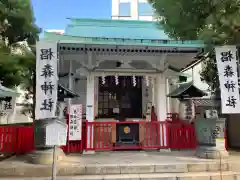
point(19, 139)
point(150, 135)
point(182, 136)
point(16, 139)
point(75, 146)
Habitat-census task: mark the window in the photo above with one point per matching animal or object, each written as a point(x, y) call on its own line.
point(125, 9)
point(145, 9)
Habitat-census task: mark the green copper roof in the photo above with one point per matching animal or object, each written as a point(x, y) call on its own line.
point(186, 90)
point(6, 92)
point(117, 41)
point(115, 29)
point(118, 32)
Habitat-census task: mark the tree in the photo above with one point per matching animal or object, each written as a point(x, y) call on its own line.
point(17, 24)
point(216, 22)
point(18, 34)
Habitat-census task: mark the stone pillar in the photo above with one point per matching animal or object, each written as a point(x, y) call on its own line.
point(161, 98)
point(168, 99)
point(211, 138)
point(153, 83)
point(43, 154)
point(90, 107)
point(161, 106)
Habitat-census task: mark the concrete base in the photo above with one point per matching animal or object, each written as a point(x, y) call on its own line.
point(88, 152)
point(165, 150)
point(45, 157)
point(211, 153)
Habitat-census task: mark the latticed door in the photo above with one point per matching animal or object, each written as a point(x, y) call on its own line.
point(122, 99)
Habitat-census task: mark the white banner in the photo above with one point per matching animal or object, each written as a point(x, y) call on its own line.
point(226, 57)
point(46, 79)
point(75, 122)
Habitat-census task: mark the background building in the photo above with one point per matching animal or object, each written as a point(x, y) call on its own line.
point(132, 10)
point(58, 31)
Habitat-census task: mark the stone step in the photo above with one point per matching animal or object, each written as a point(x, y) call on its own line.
point(156, 168)
point(155, 176)
point(71, 169)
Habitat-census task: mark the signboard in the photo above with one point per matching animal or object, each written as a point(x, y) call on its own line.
point(46, 79)
point(226, 57)
point(56, 134)
point(7, 104)
point(75, 122)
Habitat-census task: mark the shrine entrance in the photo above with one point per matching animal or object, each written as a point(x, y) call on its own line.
point(120, 97)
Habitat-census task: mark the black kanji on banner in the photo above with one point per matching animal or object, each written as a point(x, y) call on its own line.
point(46, 54)
point(47, 71)
point(231, 101)
point(226, 56)
point(47, 105)
point(228, 71)
point(230, 86)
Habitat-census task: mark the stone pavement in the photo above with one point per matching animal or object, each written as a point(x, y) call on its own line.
point(173, 165)
point(143, 157)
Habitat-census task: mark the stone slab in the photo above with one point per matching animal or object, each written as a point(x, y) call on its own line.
point(211, 153)
point(45, 157)
point(156, 176)
point(73, 169)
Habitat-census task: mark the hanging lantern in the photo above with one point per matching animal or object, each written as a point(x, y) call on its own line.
point(147, 80)
point(134, 80)
point(116, 80)
point(103, 79)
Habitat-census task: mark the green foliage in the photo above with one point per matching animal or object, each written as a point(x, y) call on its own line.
point(17, 60)
point(17, 24)
point(217, 22)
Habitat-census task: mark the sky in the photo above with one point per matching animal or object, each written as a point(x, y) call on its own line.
point(52, 14)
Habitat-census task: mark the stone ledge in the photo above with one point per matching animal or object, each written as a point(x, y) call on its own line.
point(45, 157)
point(70, 169)
point(154, 176)
point(211, 153)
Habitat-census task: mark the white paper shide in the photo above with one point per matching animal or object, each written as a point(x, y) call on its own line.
point(75, 122)
point(46, 80)
point(226, 57)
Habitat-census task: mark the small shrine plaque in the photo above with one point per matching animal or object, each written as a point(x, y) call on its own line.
point(211, 114)
point(56, 134)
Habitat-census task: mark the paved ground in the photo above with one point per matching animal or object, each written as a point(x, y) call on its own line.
point(141, 157)
point(126, 157)
point(106, 161)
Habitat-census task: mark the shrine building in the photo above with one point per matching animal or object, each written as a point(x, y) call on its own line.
point(121, 70)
